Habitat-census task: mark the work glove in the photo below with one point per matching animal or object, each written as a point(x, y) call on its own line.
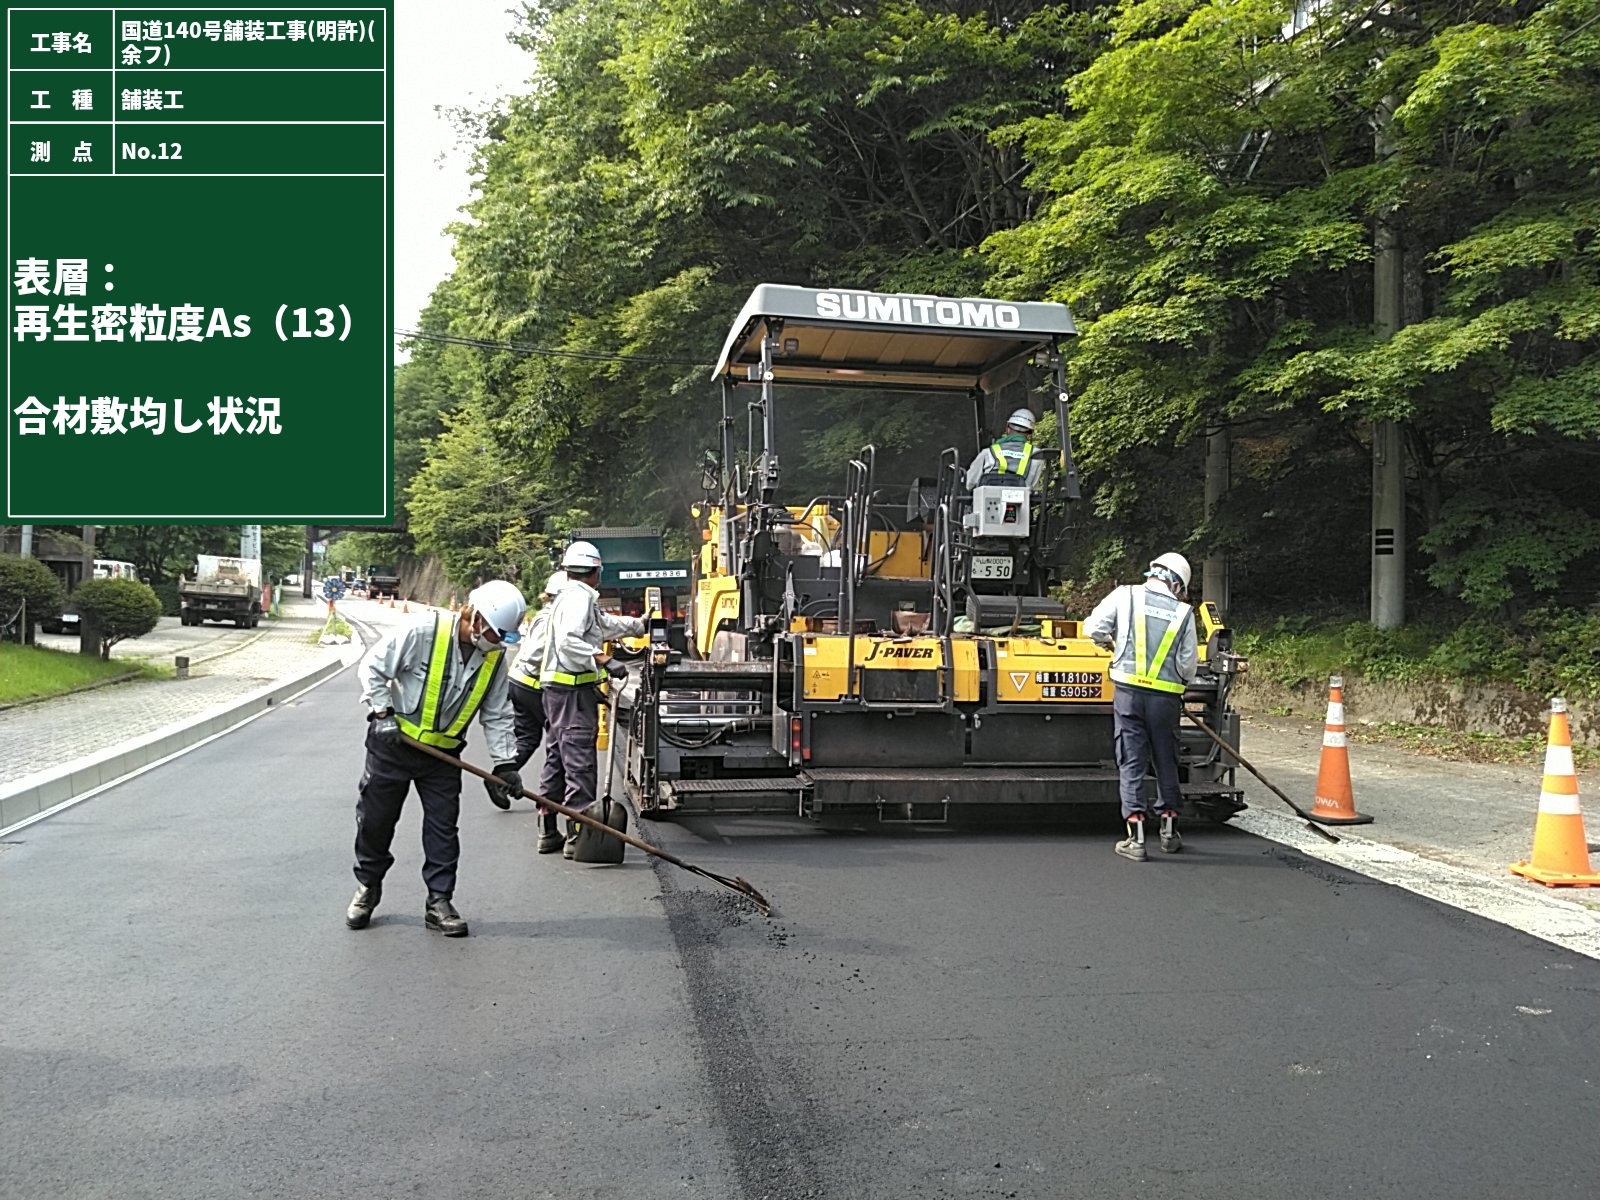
point(616, 669)
point(509, 785)
point(387, 730)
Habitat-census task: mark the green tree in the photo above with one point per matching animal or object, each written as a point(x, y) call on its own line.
point(669, 156)
point(117, 609)
point(1212, 198)
point(26, 582)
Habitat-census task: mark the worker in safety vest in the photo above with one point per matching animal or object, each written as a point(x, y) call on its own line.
point(426, 682)
point(1010, 454)
point(528, 703)
point(569, 670)
point(1154, 654)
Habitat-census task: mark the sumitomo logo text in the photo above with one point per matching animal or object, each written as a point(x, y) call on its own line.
point(919, 310)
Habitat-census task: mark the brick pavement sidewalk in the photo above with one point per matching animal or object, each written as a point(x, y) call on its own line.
point(50, 732)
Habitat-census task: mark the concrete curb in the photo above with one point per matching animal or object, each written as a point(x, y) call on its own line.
point(25, 800)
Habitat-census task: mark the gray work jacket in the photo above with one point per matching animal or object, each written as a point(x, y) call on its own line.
point(394, 674)
point(577, 629)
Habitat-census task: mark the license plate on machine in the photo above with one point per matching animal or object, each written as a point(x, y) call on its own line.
point(991, 566)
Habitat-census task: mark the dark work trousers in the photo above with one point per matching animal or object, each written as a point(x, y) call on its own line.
point(572, 721)
point(1146, 728)
point(389, 774)
point(527, 705)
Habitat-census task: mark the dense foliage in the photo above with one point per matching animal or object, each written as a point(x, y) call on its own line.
point(1201, 180)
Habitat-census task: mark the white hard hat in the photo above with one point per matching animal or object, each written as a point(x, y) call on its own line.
point(1177, 564)
point(557, 581)
point(1022, 419)
point(581, 556)
point(502, 606)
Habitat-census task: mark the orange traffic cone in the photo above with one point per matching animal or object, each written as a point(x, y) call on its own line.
point(405, 606)
point(452, 602)
point(1560, 849)
point(1334, 803)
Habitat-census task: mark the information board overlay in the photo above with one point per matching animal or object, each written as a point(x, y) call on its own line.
point(198, 250)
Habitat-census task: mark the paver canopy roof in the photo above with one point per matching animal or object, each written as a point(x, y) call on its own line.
point(843, 337)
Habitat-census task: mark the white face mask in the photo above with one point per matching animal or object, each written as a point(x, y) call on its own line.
point(482, 642)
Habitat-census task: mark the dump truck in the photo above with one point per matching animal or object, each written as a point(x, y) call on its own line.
point(223, 589)
point(383, 580)
point(636, 576)
point(891, 652)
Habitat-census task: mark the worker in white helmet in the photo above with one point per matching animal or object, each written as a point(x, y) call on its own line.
point(569, 670)
point(1010, 454)
point(425, 683)
point(528, 703)
point(1150, 632)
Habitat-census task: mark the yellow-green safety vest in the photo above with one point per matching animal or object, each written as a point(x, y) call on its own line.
point(1000, 458)
point(1146, 671)
point(424, 731)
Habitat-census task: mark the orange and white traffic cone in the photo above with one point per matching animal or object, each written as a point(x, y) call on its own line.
point(1335, 804)
point(405, 606)
point(1560, 849)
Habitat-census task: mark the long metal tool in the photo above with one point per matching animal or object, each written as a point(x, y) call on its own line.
point(737, 883)
point(1272, 787)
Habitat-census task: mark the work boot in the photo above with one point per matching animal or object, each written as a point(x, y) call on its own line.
point(550, 839)
point(442, 915)
point(361, 906)
point(570, 848)
point(1132, 846)
point(1171, 839)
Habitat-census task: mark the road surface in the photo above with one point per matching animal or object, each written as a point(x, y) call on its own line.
point(930, 1015)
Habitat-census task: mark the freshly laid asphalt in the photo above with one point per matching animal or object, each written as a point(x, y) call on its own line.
point(936, 1014)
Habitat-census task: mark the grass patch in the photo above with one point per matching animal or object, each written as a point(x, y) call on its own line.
point(31, 672)
point(335, 624)
point(1549, 652)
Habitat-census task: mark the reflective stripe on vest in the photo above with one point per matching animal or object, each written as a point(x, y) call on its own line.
point(1000, 458)
point(525, 679)
point(1145, 671)
point(424, 731)
point(573, 680)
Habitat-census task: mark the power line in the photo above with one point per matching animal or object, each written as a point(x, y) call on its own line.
point(544, 351)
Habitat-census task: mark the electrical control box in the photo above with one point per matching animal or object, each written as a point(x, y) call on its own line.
point(998, 511)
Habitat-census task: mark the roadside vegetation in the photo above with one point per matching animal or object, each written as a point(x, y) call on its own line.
point(1460, 746)
point(1547, 651)
point(32, 672)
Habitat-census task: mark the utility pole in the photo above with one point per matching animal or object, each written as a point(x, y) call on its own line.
point(1388, 462)
point(25, 628)
point(310, 562)
point(1214, 571)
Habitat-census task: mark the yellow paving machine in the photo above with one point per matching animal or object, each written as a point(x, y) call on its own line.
point(891, 652)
